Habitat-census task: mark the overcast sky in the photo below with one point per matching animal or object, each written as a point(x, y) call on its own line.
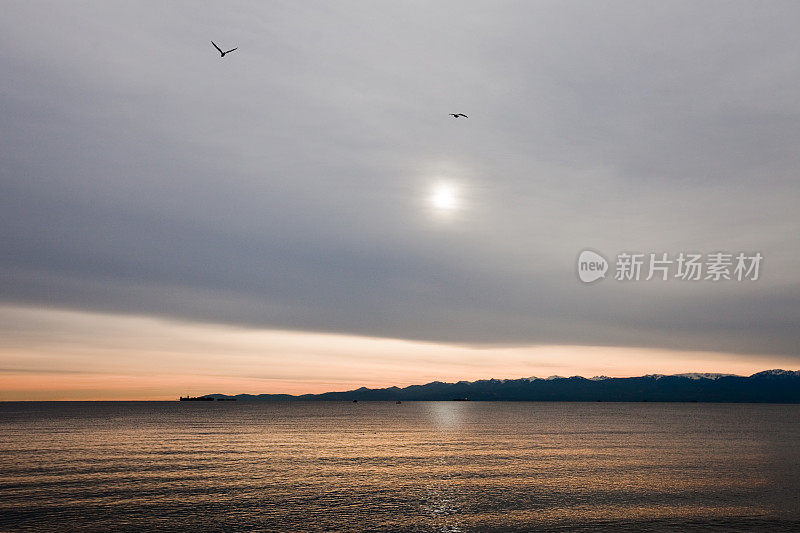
point(288, 185)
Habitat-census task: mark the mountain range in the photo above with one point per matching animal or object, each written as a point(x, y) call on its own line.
point(770, 386)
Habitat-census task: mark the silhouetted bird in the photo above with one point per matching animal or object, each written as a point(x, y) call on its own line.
point(456, 115)
point(221, 53)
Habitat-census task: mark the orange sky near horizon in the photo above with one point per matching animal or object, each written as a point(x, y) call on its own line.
point(48, 354)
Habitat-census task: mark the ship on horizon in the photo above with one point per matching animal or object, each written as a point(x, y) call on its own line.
point(196, 399)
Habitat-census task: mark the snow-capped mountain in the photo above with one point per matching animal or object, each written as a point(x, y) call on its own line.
point(776, 372)
point(692, 375)
point(703, 375)
point(776, 386)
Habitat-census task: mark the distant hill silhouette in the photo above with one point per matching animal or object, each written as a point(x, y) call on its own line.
point(770, 386)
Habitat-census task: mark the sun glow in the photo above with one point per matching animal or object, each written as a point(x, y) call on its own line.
point(444, 198)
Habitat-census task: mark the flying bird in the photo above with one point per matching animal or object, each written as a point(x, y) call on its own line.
point(221, 53)
point(456, 115)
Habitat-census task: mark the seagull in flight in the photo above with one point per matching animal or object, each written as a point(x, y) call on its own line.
point(221, 53)
point(456, 115)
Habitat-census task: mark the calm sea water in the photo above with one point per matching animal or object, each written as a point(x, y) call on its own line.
point(418, 466)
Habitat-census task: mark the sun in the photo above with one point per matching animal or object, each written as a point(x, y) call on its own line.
point(444, 198)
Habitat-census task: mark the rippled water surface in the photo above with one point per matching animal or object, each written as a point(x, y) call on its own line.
point(417, 466)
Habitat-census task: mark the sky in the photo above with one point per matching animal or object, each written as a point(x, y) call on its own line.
point(303, 214)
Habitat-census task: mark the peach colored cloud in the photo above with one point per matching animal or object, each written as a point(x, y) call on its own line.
point(57, 354)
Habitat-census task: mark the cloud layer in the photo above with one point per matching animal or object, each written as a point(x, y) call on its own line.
point(285, 185)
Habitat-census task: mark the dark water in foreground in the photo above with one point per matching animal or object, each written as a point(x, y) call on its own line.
point(427, 466)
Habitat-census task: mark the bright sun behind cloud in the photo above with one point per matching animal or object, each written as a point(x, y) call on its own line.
point(444, 198)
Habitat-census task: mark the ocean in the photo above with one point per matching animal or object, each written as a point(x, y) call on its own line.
point(415, 466)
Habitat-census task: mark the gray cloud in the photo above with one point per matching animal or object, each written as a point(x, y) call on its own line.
point(284, 186)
